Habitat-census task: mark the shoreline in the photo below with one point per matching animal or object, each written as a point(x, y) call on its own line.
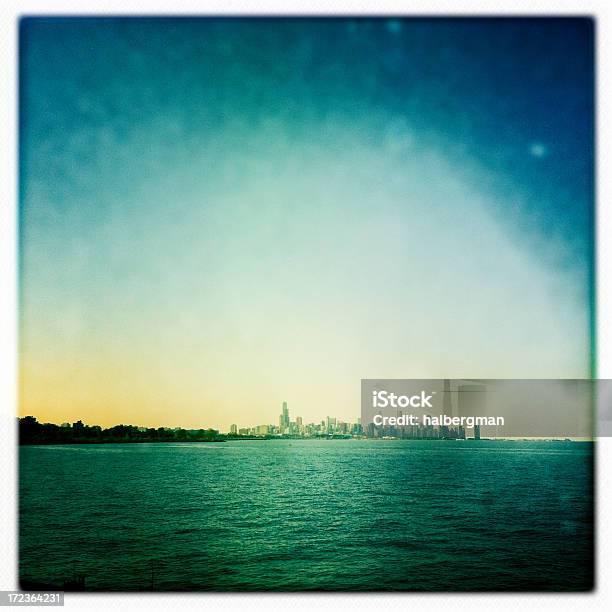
point(311, 439)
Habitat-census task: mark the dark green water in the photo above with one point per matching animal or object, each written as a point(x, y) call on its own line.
point(303, 515)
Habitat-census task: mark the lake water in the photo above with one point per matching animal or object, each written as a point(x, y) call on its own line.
point(309, 515)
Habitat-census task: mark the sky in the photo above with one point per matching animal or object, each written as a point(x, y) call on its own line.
point(219, 215)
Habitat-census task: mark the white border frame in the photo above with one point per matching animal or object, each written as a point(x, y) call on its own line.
point(602, 596)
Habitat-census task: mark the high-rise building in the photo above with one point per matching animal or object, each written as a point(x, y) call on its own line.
point(283, 421)
point(233, 429)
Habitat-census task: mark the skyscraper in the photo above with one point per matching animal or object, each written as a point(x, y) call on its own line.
point(284, 419)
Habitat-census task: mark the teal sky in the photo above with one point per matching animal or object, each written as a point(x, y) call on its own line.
point(219, 215)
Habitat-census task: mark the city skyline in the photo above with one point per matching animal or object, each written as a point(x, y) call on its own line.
point(287, 427)
point(426, 426)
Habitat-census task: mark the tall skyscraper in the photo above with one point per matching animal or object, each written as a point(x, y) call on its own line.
point(284, 419)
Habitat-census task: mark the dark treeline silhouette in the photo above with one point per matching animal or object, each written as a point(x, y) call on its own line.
point(33, 432)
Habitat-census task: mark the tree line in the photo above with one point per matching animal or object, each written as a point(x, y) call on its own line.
point(32, 431)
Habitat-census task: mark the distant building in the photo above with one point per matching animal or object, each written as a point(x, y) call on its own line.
point(331, 424)
point(284, 422)
point(473, 402)
point(447, 408)
point(233, 429)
